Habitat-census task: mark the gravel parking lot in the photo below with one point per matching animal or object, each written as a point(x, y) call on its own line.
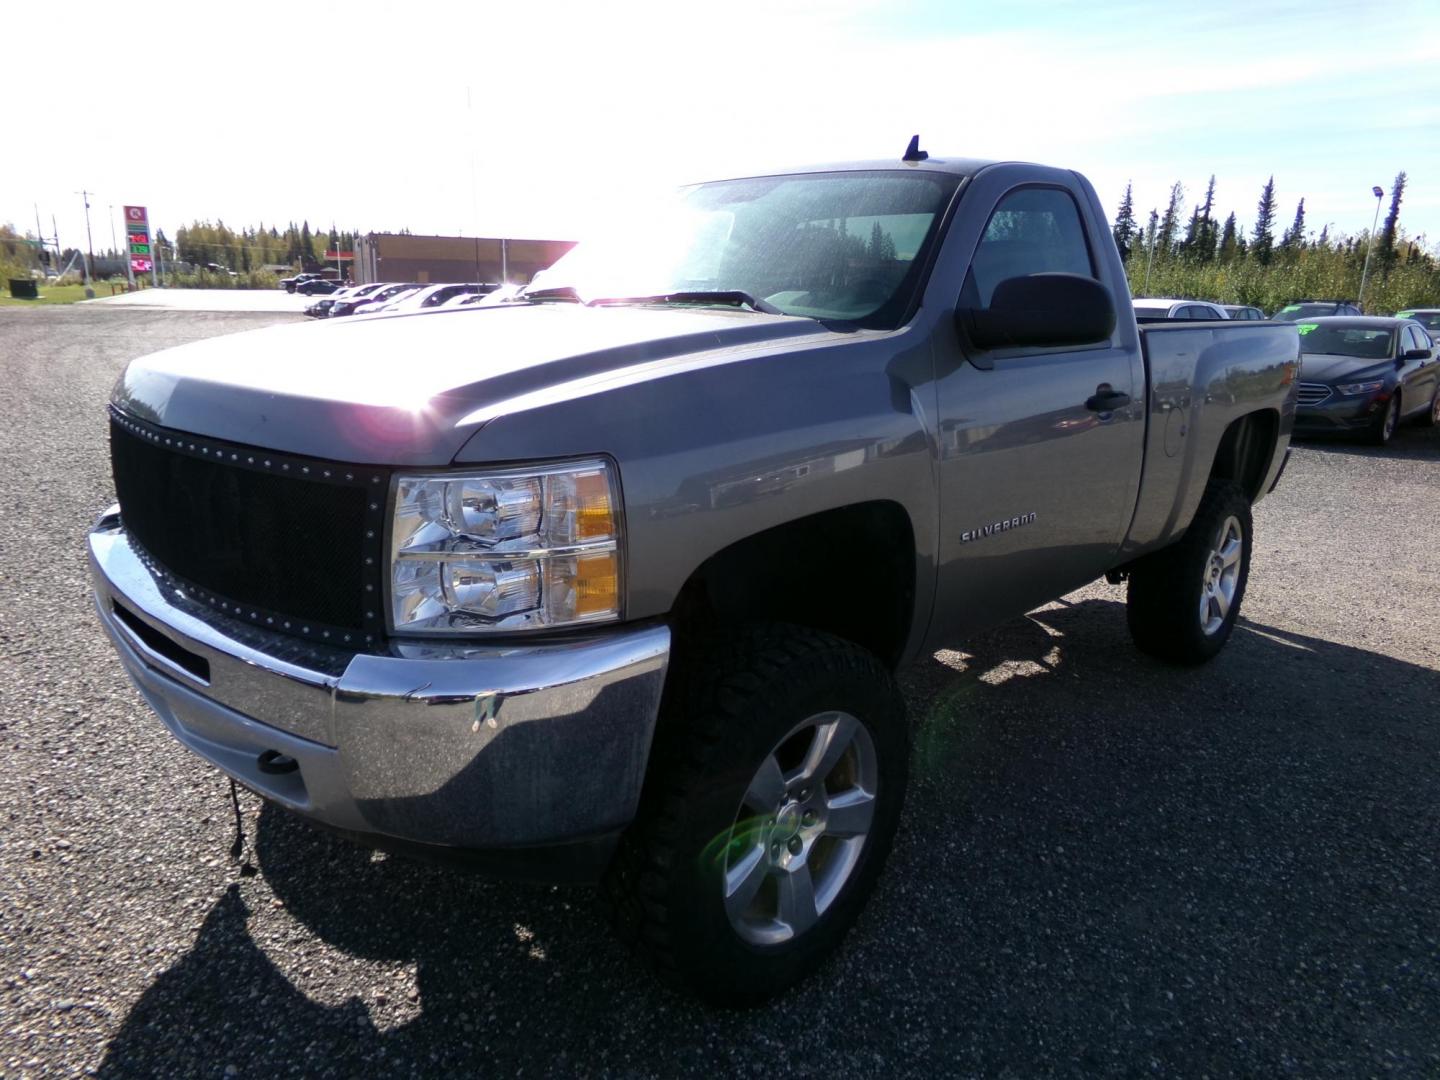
point(1106, 866)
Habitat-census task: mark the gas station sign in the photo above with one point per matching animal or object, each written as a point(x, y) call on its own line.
point(137, 235)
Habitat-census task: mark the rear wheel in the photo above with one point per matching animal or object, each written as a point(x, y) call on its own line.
point(1183, 600)
point(1383, 430)
point(773, 794)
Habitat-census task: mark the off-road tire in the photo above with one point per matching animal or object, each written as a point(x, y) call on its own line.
point(728, 701)
point(1163, 603)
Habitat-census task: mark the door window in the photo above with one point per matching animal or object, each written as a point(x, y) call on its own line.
point(1032, 231)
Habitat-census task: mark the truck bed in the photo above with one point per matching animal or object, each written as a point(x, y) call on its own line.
point(1201, 376)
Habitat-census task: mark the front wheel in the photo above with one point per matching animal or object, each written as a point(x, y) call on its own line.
point(1183, 600)
point(1383, 430)
point(1432, 418)
point(772, 799)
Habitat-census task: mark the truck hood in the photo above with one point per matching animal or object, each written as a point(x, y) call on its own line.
point(1327, 368)
point(412, 389)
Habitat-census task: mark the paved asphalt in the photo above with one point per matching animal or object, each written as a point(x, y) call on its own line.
point(1107, 866)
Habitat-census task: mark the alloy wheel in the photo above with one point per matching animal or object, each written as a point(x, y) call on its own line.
point(1392, 419)
point(800, 828)
point(1221, 575)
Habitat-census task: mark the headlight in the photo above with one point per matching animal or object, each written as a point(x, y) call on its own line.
point(504, 550)
point(1368, 387)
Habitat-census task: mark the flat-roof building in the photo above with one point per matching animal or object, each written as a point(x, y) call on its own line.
point(427, 259)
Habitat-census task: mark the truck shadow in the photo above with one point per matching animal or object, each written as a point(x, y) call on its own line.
point(1104, 862)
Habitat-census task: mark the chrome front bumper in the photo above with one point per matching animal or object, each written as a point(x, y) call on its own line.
point(460, 746)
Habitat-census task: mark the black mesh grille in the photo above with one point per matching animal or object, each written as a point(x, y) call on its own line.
point(288, 542)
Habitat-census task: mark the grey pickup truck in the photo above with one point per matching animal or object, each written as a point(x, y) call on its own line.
point(609, 582)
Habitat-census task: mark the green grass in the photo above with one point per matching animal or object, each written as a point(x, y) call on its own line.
point(58, 294)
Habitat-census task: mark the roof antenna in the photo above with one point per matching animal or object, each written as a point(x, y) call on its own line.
point(913, 151)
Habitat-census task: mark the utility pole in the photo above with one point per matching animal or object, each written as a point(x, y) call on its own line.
point(1379, 194)
point(89, 248)
point(40, 235)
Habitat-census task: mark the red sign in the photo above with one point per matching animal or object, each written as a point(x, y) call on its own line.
point(136, 215)
point(332, 256)
point(140, 264)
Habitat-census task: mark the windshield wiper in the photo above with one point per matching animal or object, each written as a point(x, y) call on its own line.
point(735, 297)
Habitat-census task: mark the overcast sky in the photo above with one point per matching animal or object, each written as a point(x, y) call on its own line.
point(357, 114)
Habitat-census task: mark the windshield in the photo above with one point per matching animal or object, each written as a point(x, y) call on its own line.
point(1152, 312)
point(1291, 312)
point(843, 246)
point(1342, 341)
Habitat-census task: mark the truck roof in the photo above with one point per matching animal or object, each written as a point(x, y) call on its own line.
point(955, 166)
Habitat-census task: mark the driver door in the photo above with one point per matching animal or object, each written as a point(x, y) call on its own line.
point(1040, 447)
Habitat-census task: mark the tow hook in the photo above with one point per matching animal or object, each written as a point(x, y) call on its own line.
point(276, 763)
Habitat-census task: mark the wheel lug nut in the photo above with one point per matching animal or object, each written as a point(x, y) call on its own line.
point(808, 818)
point(795, 845)
point(775, 850)
point(804, 794)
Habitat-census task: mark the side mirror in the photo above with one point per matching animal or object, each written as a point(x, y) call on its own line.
point(1042, 310)
point(1415, 354)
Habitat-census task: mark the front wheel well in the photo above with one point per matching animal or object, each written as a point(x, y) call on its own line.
point(849, 572)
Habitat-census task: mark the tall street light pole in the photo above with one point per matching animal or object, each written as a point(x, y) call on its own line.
point(1379, 193)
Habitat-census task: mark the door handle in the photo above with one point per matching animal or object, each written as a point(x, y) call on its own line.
point(1106, 400)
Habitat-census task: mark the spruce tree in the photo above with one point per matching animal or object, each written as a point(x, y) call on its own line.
point(1264, 243)
point(1190, 246)
point(1206, 234)
point(1386, 254)
point(1295, 235)
point(1170, 224)
point(1124, 229)
point(1229, 249)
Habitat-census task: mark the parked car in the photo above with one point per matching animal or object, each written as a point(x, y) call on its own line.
point(1429, 318)
point(317, 287)
point(1243, 311)
point(289, 284)
point(354, 293)
point(374, 305)
point(1315, 309)
point(383, 291)
point(433, 296)
point(463, 300)
point(1366, 376)
point(502, 295)
point(617, 588)
point(1165, 308)
point(321, 308)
